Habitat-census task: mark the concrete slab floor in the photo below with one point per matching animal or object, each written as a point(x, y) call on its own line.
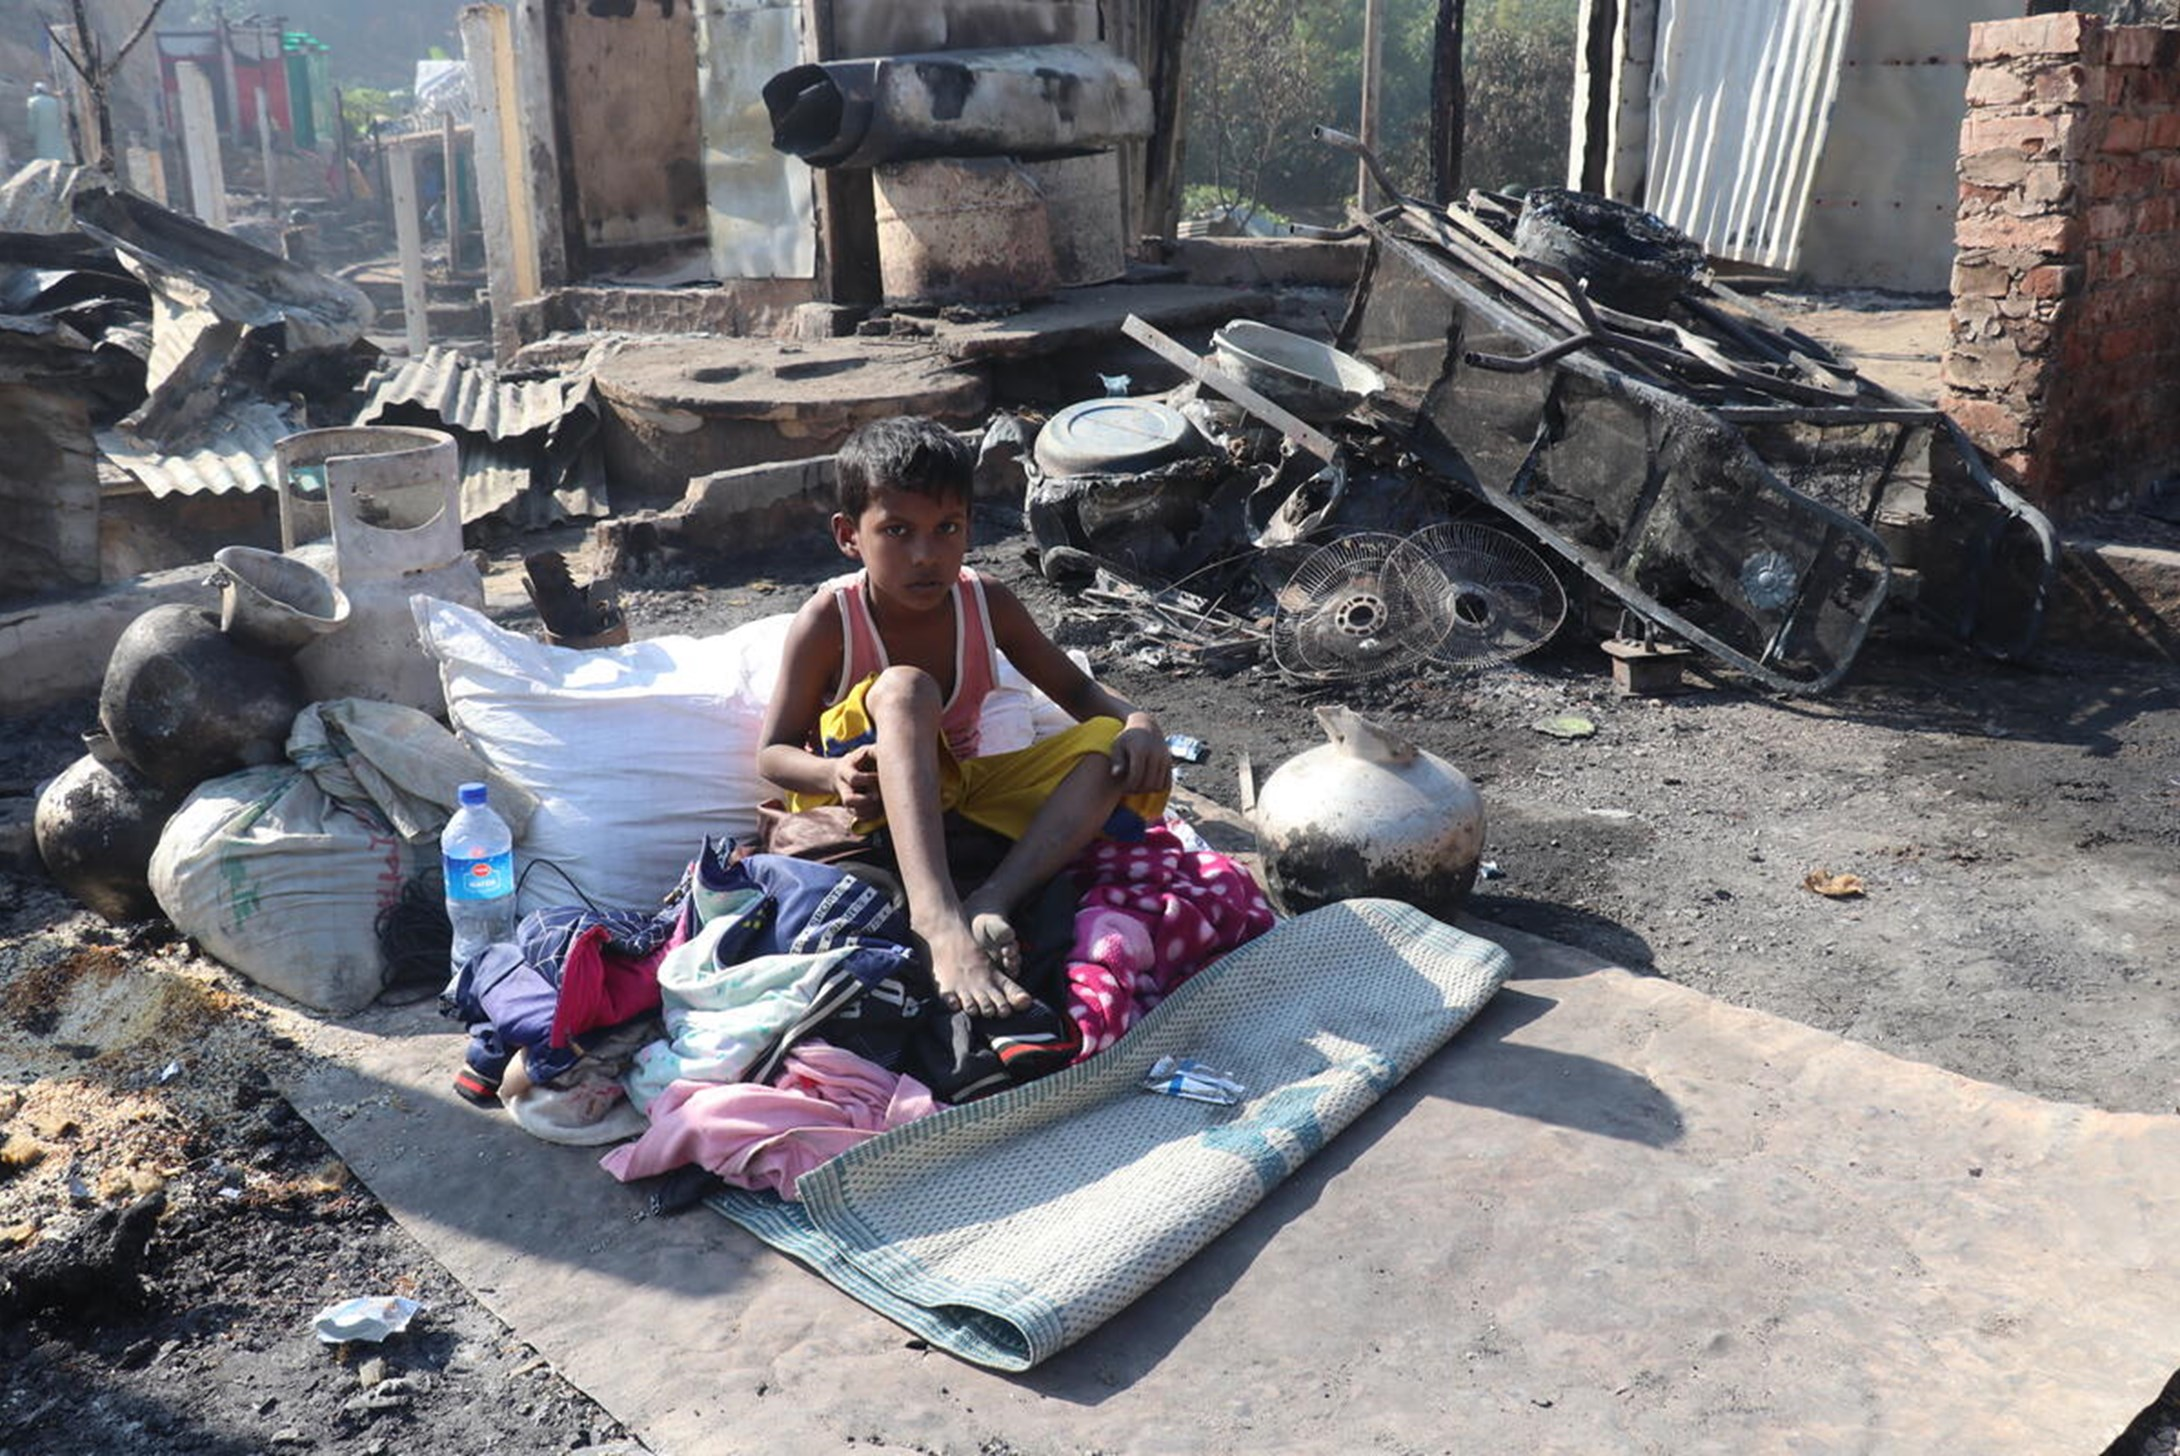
point(1896, 340)
point(1612, 1215)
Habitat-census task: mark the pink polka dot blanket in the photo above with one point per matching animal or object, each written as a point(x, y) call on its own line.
point(1154, 912)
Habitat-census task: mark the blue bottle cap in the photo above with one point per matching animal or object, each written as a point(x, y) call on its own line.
point(472, 795)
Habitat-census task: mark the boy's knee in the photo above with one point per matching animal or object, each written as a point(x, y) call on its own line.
point(908, 690)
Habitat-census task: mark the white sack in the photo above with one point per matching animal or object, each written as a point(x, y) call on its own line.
point(400, 761)
point(275, 879)
point(634, 753)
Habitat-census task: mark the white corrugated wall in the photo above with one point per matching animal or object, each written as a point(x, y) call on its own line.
point(1741, 100)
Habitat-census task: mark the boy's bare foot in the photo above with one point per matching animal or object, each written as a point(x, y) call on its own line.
point(987, 919)
point(967, 970)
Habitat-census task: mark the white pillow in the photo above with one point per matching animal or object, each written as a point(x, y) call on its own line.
point(635, 753)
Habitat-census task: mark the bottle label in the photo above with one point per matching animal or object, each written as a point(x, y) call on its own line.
point(489, 878)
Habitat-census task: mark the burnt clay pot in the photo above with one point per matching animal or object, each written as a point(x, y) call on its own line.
point(183, 702)
point(97, 824)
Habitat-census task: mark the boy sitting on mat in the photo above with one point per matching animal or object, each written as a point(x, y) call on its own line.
point(881, 693)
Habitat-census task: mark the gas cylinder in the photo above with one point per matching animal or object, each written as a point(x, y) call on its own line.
point(1367, 814)
point(392, 497)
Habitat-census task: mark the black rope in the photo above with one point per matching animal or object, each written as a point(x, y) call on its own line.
point(416, 940)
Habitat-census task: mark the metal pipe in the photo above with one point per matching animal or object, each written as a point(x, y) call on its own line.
point(1355, 146)
point(1029, 102)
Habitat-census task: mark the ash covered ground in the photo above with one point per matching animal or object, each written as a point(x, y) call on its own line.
point(2013, 827)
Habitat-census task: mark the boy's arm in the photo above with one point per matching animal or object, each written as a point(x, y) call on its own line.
point(809, 663)
point(1141, 760)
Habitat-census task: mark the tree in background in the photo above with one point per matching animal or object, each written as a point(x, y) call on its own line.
point(1520, 70)
point(1265, 70)
point(1517, 70)
point(365, 109)
point(85, 58)
point(1261, 72)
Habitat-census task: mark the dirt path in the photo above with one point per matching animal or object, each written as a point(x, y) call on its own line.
point(2014, 829)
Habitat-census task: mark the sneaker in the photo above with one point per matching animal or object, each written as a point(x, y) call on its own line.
point(474, 1087)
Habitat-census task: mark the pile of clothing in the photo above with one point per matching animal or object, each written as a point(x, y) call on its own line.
point(777, 1010)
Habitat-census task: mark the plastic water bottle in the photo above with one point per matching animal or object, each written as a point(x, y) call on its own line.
point(477, 851)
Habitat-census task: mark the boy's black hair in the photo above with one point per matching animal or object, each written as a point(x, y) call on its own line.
point(907, 452)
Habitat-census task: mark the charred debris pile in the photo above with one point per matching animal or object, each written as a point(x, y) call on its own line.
point(1529, 395)
point(1529, 401)
point(138, 342)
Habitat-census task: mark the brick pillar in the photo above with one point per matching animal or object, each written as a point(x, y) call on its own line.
point(2065, 345)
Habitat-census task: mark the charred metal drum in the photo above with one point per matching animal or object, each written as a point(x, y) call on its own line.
point(1368, 814)
point(967, 230)
point(1026, 102)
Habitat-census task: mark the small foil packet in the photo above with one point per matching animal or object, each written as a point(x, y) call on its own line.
point(1186, 748)
point(1189, 1078)
point(370, 1318)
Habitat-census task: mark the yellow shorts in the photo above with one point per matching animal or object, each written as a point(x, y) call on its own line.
point(1000, 791)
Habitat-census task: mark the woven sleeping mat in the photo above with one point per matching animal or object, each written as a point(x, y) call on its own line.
point(1006, 1229)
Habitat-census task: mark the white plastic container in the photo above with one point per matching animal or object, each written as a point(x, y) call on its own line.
point(391, 496)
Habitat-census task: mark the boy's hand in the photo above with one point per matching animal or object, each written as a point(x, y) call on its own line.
point(855, 781)
point(1141, 762)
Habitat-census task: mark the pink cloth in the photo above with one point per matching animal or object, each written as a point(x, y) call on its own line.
point(600, 987)
point(1153, 914)
point(824, 1102)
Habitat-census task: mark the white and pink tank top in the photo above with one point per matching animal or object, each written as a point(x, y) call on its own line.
point(976, 655)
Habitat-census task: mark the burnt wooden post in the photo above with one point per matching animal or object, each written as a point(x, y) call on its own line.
point(1601, 47)
point(1449, 99)
point(847, 208)
point(1373, 63)
point(1164, 34)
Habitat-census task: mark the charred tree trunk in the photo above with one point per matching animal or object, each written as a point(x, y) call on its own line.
point(1449, 99)
point(98, 75)
point(95, 75)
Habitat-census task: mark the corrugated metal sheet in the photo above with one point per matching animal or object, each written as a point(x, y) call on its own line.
point(236, 455)
point(502, 479)
point(494, 475)
point(240, 283)
point(1741, 103)
point(179, 318)
point(1886, 196)
point(529, 447)
point(762, 218)
point(469, 396)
